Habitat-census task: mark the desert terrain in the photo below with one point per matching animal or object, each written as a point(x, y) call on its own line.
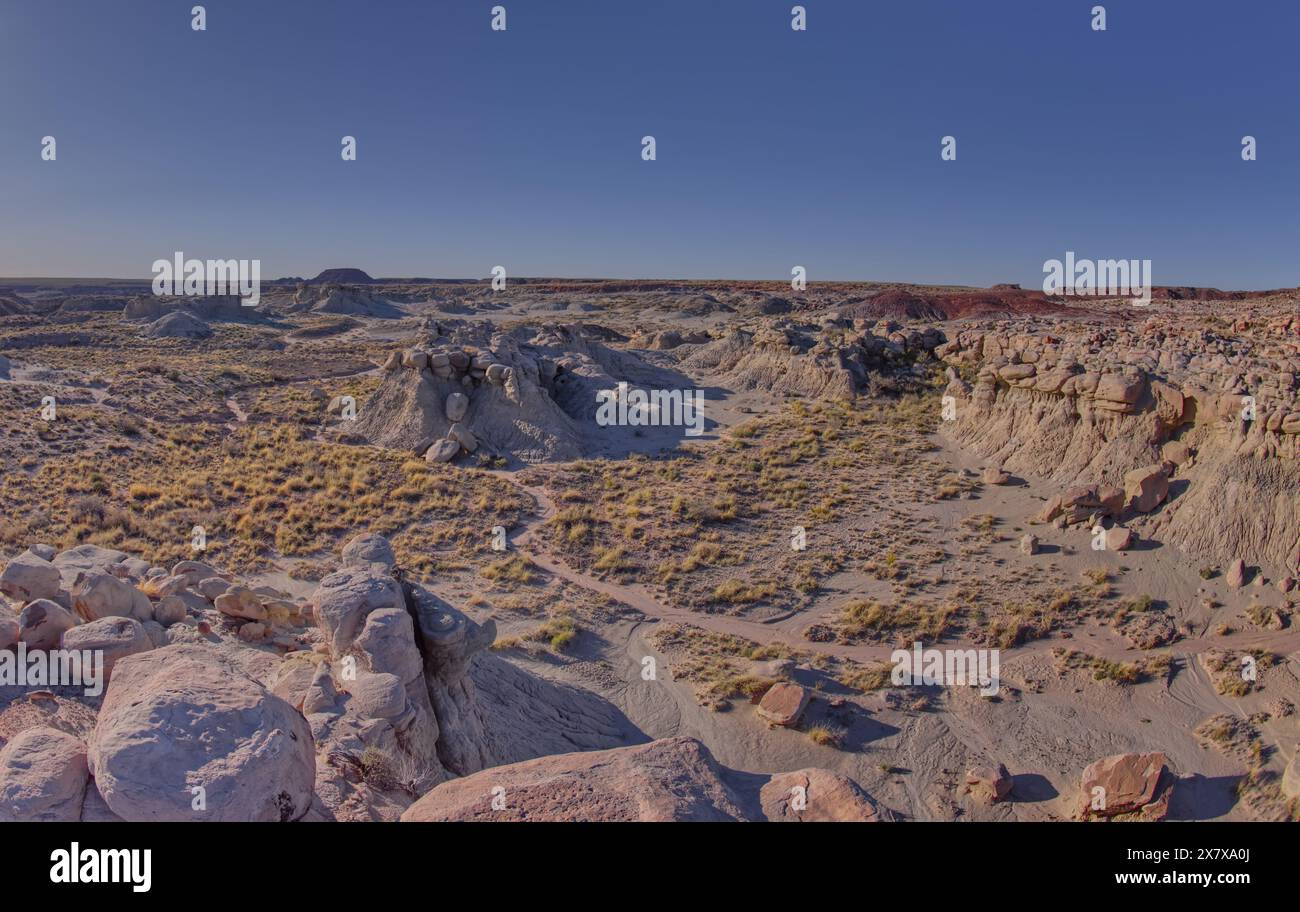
point(365, 552)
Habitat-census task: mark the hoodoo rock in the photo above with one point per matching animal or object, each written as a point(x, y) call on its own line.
point(345, 597)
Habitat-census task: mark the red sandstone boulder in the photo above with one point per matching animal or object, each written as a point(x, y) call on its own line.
point(1139, 785)
point(783, 704)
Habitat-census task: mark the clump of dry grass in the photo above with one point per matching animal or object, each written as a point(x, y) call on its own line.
point(1233, 677)
point(1126, 673)
point(868, 620)
point(513, 569)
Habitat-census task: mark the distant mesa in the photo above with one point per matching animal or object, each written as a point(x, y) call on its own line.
point(341, 277)
point(999, 301)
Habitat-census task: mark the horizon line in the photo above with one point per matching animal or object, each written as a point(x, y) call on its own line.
point(543, 278)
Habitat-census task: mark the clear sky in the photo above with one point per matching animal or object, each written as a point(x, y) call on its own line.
point(775, 147)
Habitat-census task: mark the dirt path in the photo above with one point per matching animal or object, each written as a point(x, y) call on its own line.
point(527, 544)
point(241, 416)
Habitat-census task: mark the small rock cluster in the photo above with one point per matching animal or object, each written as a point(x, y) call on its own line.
point(468, 366)
point(90, 597)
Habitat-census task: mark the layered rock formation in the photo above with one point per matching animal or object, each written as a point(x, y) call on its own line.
point(391, 705)
point(209, 308)
point(341, 299)
point(837, 360)
point(178, 324)
point(1210, 422)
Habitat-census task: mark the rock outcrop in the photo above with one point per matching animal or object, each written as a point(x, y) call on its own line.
point(1200, 433)
point(839, 360)
point(818, 796)
point(675, 779)
point(333, 298)
point(529, 393)
point(178, 324)
point(392, 707)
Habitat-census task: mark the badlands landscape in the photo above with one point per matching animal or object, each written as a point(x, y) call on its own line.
point(364, 552)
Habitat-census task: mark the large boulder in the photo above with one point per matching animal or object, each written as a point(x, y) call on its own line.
point(28, 577)
point(243, 603)
point(86, 559)
point(442, 451)
point(43, 622)
point(184, 718)
point(783, 704)
point(675, 779)
point(1119, 538)
point(368, 548)
point(1138, 785)
point(457, 406)
point(818, 795)
point(115, 637)
point(43, 776)
point(193, 572)
point(1146, 488)
point(1236, 574)
point(98, 595)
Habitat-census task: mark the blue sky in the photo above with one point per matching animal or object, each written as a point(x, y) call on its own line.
point(775, 148)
